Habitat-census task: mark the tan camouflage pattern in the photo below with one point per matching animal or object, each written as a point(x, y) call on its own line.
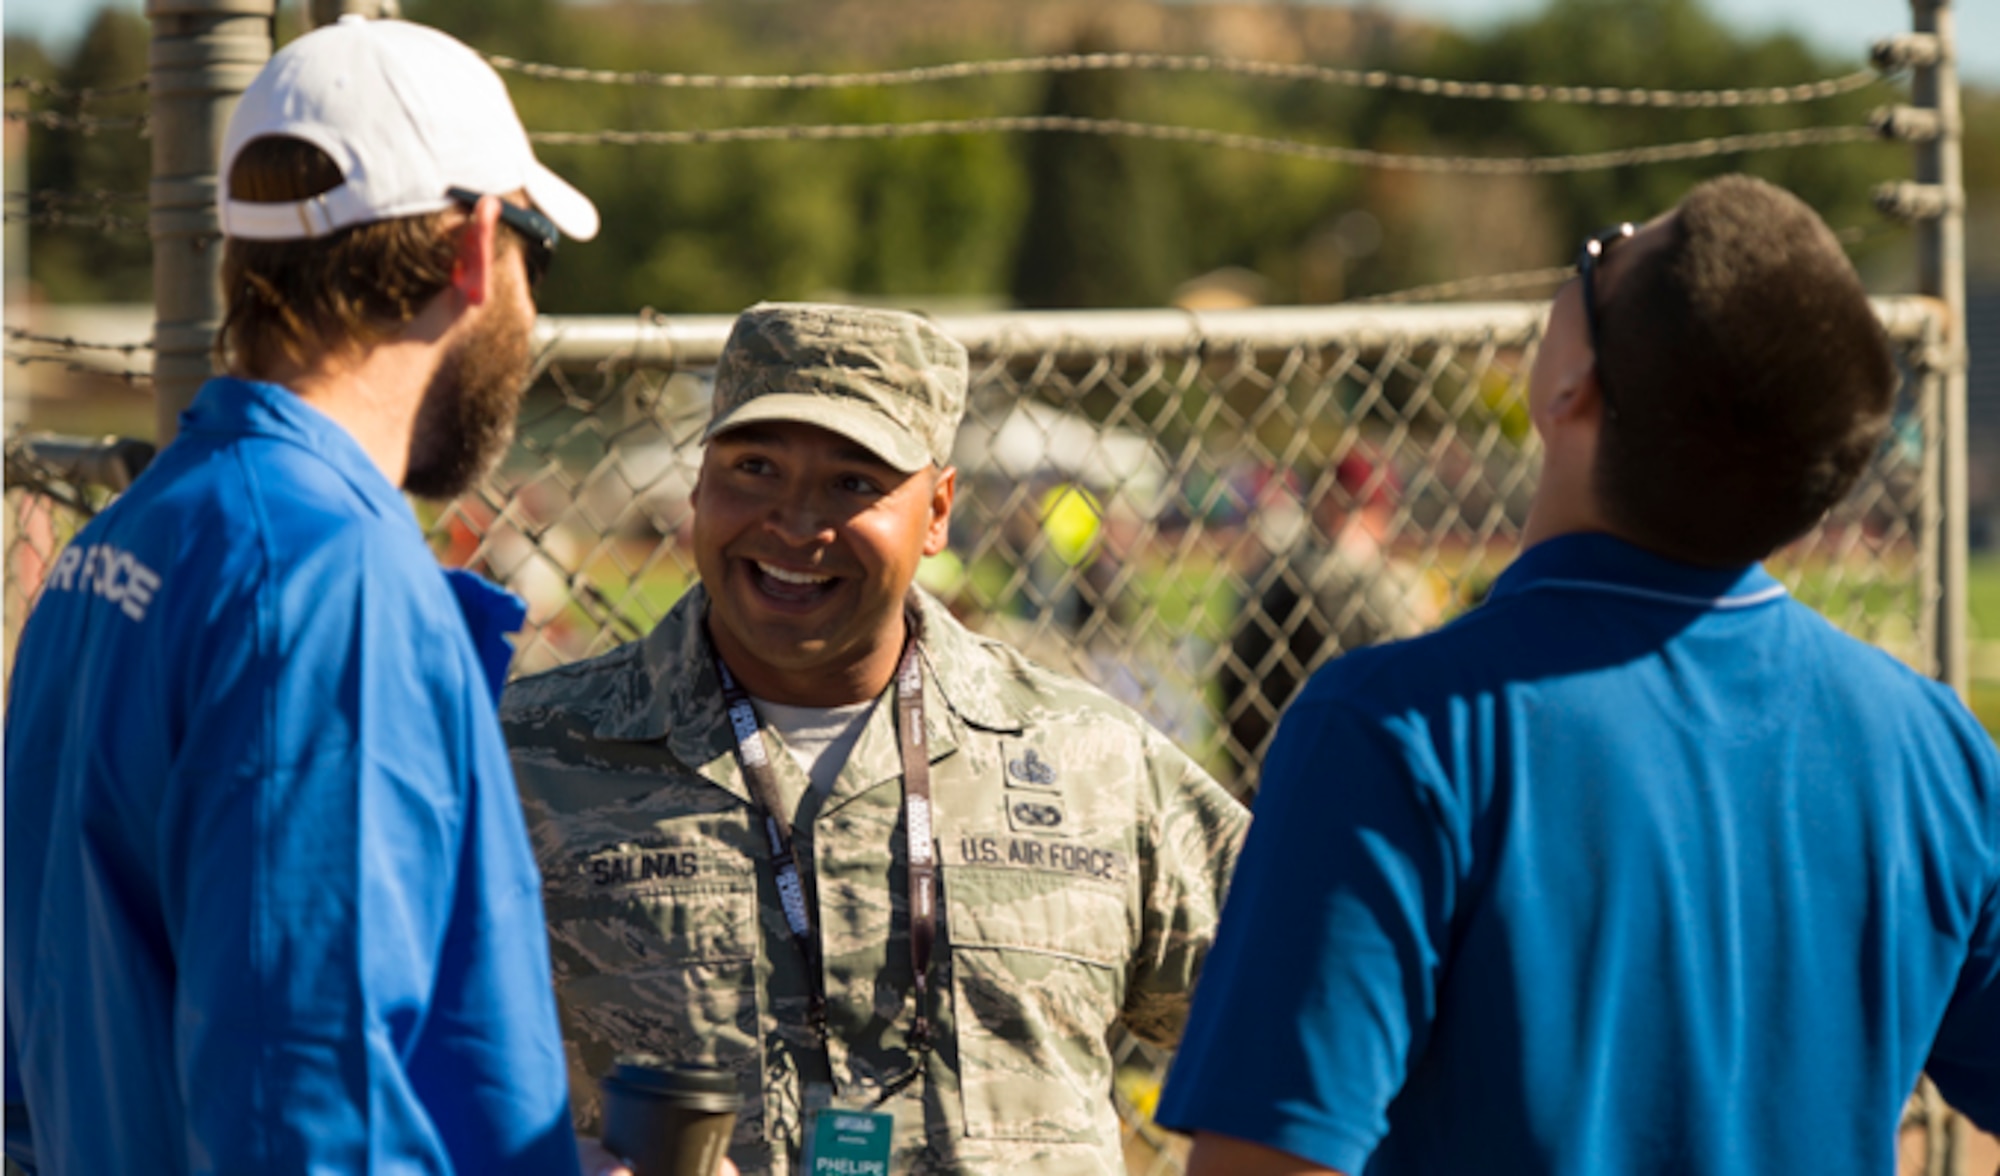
point(888, 380)
point(1083, 859)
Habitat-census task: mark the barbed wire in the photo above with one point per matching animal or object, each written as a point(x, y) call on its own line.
point(128, 375)
point(87, 209)
point(88, 124)
point(1368, 79)
point(104, 222)
point(1485, 284)
point(39, 88)
point(76, 197)
point(27, 474)
point(1854, 235)
point(66, 343)
point(1355, 156)
point(1547, 276)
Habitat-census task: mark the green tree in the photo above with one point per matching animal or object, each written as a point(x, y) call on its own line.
point(1049, 219)
point(102, 174)
point(1099, 228)
point(1663, 44)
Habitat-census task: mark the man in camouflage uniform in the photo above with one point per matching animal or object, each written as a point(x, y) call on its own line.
point(1081, 856)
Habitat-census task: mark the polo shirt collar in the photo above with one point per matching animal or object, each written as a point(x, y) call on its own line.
point(1599, 563)
point(229, 407)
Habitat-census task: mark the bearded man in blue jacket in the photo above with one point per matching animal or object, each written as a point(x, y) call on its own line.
point(1641, 867)
point(270, 903)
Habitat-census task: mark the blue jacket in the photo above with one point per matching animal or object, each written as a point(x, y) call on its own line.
point(270, 904)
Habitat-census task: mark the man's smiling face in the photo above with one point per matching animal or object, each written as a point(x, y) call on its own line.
point(807, 544)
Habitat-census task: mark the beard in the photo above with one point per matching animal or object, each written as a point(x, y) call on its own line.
point(466, 420)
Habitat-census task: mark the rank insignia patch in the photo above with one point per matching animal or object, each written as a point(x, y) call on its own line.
point(1029, 770)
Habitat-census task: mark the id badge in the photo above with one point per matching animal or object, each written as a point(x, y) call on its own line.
point(849, 1143)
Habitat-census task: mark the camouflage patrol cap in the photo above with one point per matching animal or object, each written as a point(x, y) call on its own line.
point(886, 380)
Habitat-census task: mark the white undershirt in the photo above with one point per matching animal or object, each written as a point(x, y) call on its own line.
point(820, 738)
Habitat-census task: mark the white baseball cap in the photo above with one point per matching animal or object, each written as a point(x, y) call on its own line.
point(407, 113)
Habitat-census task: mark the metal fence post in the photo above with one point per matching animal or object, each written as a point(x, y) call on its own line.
point(204, 55)
point(1941, 274)
point(1927, 381)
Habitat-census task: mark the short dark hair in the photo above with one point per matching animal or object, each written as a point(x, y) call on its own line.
point(301, 298)
point(1748, 381)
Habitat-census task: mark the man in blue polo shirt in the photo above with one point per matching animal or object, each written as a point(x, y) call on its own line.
point(270, 904)
point(1641, 867)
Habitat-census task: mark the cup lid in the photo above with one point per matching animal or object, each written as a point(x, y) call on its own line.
point(650, 1072)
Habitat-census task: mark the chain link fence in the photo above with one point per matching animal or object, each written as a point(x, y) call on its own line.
point(1190, 510)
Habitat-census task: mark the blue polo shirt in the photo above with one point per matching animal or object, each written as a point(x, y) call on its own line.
point(1637, 868)
point(270, 903)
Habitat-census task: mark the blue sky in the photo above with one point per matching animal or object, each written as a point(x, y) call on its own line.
point(1841, 28)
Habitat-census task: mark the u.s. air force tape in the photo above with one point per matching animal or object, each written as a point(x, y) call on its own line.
point(1042, 853)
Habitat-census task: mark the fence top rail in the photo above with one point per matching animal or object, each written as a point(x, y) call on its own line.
point(696, 341)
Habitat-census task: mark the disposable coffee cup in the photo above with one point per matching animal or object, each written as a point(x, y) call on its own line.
point(666, 1119)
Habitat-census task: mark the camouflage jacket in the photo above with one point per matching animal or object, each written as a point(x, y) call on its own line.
point(1082, 863)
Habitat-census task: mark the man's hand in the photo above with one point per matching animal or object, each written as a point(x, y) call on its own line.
point(595, 1161)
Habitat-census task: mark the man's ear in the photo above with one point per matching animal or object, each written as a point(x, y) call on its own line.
point(1579, 397)
point(1563, 381)
point(473, 269)
point(1570, 423)
point(943, 491)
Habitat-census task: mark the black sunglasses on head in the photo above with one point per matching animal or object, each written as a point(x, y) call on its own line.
point(537, 232)
point(1594, 248)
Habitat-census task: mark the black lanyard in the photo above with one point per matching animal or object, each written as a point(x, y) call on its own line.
point(920, 858)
